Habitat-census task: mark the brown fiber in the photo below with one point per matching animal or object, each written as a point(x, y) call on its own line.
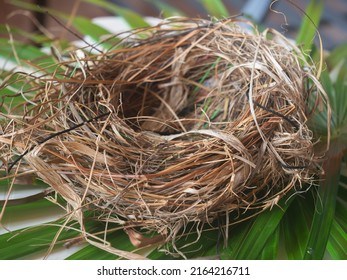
point(198, 120)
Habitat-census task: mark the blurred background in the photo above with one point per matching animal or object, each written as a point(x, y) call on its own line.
point(332, 27)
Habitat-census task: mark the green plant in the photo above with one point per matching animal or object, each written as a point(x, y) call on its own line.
point(311, 225)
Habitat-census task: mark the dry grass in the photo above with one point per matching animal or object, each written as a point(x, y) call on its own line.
point(198, 120)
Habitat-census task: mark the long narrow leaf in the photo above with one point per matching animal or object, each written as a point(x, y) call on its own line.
point(27, 54)
point(9, 98)
point(133, 19)
point(166, 9)
point(255, 236)
point(337, 244)
point(325, 209)
point(270, 251)
point(215, 8)
point(83, 25)
point(341, 208)
point(88, 28)
point(296, 225)
point(35, 38)
point(18, 244)
point(309, 24)
point(340, 88)
point(91, 253)
point(337, 56)
point(118, 239)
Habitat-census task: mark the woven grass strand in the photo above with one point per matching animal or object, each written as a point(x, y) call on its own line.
point(200, 119)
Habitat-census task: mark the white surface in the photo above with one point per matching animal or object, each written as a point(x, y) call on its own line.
point(30, 218)
point(159, 269)
point(117, 24)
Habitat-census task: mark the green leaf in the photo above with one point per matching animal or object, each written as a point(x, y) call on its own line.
point(30, 212)
point(319, 120)
point(35, 38)
point(341, 208)
point(5, 91)
point(132, 18)
point(295, 227)
point(166, 9)
point(252, 237)
point(308, 27)
point(325, 208)
point(18, 244)
point(9, 99)
point(215, 8)
point(28, 55)
point(118, 239)
point(36, 206)
point(337, 244)
point(270, 251)
point(337, 56)
point(340, 103)
point(86, 27)
point(189, 247)
point(28, 6)
point(90, 252)
point(83, 25)
point(15, 87)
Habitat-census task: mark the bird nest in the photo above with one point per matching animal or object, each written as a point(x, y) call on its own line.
point(182, 122)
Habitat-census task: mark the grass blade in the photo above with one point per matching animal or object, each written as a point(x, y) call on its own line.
point(270, 251)
point(35, 38)
point(325, 208)
point(83, 25)
point(166, 9)
point(21, 53)
point(133, 19)
point(295, 227)
point(341, 208)
point(337, 244)
point(18, 244)
point(91, 253)
point(308, 27)
point(255, 236)
point(118, 239)
point(88, 28)
point(340, 102)
point(338, 55)
point(215, 8)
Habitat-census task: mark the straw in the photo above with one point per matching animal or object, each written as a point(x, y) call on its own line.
point(198, 120)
